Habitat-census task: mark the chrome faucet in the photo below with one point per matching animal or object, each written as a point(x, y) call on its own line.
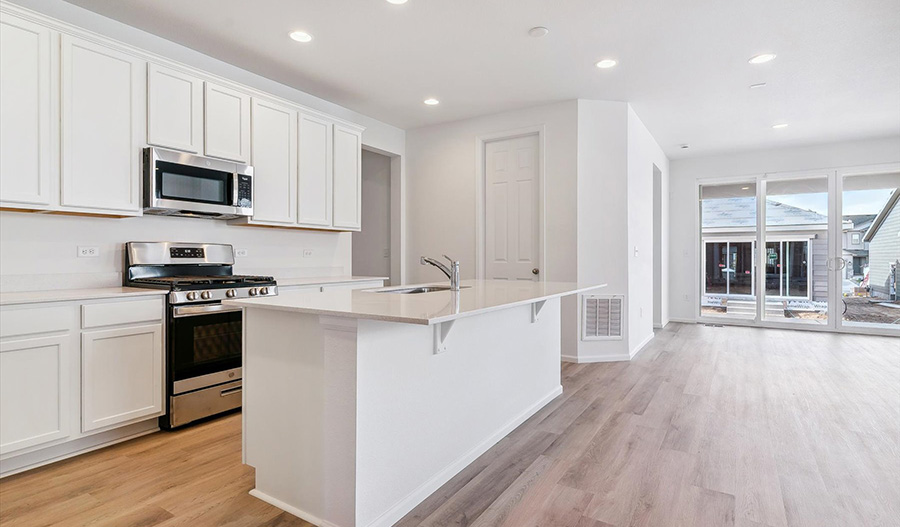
point(452, 271)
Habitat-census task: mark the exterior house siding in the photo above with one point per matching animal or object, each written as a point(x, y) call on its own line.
point(818, 254)
point(884, 249)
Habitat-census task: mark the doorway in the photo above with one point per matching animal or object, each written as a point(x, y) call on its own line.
point(372, 245)
point(510, 207)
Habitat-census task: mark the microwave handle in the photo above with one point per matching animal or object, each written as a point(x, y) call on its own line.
point(234, 189)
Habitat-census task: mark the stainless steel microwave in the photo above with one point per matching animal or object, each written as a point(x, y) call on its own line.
point(181, 184)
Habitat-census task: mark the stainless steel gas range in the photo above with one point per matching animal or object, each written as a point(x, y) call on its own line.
point(203, 337)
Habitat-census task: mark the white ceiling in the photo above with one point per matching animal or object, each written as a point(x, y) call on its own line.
point(682, 65)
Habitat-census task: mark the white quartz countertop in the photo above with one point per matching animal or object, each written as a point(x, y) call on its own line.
point(63, 295)
point(476, 297)
point(323, 280)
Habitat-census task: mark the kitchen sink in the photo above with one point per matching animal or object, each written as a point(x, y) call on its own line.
point(417, 290)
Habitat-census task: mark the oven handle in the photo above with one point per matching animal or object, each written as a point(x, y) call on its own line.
point(193, 311)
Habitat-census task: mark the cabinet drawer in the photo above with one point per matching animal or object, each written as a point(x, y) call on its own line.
point(112, 313)
point(30, 321)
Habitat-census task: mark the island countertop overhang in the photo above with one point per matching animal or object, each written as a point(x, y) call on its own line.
point(476, 297)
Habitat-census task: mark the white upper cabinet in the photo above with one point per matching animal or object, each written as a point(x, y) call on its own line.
point(227, 123)
point(314, 187)
point(347, 178)
point(102, 123)
point(25, 102)
point(274, 160)
point(174, 109)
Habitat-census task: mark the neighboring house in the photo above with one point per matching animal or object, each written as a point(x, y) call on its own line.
point(796, 250)
point(883, 238)
point(855, 248)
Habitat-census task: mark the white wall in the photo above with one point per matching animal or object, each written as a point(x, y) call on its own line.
point(35, 244)
point(616, 155)
point(643, 154)
point(371, 247)
point(38, 251)
point(441, 189)
point(683, 260)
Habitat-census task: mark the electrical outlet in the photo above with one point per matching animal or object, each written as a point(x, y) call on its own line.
point(307, 253)
point(88, 251)
point(241, 253)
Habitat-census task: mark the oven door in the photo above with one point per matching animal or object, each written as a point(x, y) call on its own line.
point(204, 346)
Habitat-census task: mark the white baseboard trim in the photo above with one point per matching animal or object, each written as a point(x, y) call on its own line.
point(83, 445)
point(642, 345)
point(587, 359)
point(408, 503)
point(303, 515)
point(683, 320)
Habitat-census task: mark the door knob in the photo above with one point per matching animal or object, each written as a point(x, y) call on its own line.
point(535, 271)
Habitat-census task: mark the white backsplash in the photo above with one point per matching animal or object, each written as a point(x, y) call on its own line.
point(39, 251)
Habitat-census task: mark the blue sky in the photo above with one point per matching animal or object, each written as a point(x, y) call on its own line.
point(855, 201)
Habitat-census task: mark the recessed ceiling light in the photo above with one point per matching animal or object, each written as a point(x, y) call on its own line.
point(431, 102)
point(685, 147)
point(397, 2)
point(606, 63)
point(779, 125)
point(758, 85)
point(300, 36)
point(538, 32)
point(762, 58)
point(745, 188)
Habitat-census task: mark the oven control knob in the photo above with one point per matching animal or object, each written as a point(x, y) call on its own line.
point(264, 291)
point(206, 295)
point(192, 295)
point(254, 292)
point(231, 293)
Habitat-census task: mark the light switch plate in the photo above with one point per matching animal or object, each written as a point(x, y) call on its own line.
point(241, 253)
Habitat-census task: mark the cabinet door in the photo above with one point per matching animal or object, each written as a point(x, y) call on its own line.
point(227, 123)
point(121, 375)
point(315, 174)
point(34, 392)
point(26, 126)
point(274, 160)
point(102, 123)
point(174, 109)
point(347, 178)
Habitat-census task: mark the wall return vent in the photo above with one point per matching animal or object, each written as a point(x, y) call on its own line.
point(602, 317)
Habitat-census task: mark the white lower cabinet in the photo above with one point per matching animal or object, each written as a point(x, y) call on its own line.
point(121, 375)
point(34, 391)
point(106, 366)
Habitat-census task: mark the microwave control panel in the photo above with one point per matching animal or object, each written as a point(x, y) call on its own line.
point(245, 191)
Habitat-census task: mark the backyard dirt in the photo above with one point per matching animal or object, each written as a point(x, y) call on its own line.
point(865, 310)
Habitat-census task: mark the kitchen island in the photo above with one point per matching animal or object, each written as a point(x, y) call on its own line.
point(358, 404)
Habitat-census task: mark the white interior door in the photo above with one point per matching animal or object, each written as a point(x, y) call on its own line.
point(512, 215)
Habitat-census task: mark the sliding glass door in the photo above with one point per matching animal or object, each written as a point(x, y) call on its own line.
point(796, 257)
point(815, 249)
point(868, 266)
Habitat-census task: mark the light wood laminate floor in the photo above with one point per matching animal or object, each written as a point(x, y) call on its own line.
point(706, 427)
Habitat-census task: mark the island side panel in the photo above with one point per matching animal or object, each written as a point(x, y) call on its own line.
point(287, 423)
point(422, 417)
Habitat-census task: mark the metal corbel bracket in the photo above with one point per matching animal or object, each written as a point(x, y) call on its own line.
point(441, 330)
point(536, 310)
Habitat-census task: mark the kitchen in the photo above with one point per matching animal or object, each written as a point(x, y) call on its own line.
point(224, 297)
